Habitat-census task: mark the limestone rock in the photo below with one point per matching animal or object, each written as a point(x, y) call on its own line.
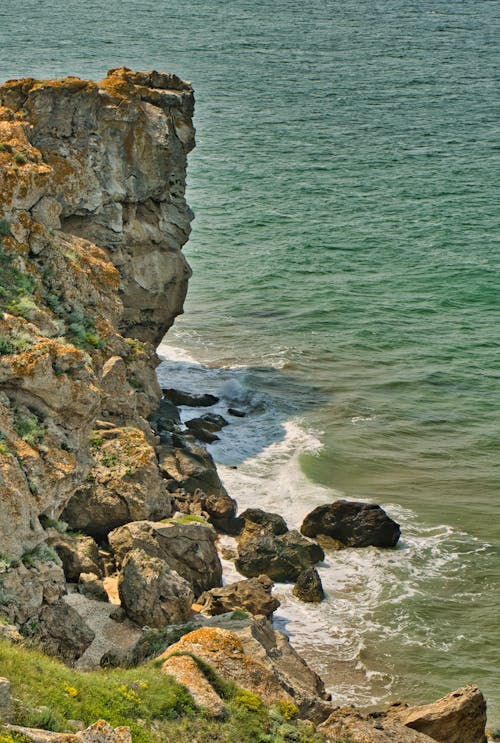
point(99, 732)
point(355, 524)
point(78, 554)
point(191, 399)
point(258, 523)
point(92, 586)
point(273, 649)
point(5, 701)
point(125, 485)
point(192, 470)
point(281, 557)
point(151, 593)
point(252, 595)
point(27, 588)
point(459, 717)
point(309, 587)
point(348, 724)
point(188, 548)
point(186, 671)
point(62, 632)
point(223, 650)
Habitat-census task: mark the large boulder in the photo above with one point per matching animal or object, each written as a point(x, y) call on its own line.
point(187, 672)
point(188, 548)
point(348, 724)
point(125, 485)
point(191, 470)
point(190, 399)
point(309, 587)
point(166, 417)
point(258, 523)
point(459, 717)
point(62, 632)
point(78, 554)
point(353, 523)
point(281, 557)
point(151, 593)
point(260, 659)
point(252, 595)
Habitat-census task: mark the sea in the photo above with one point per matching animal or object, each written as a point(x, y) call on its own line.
point(345, 295)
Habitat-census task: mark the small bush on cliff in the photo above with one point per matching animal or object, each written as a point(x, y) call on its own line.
point(4, 228)
point(15, 285)
point(28, 427)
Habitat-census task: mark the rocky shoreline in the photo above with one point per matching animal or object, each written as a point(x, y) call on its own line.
point(111, 507)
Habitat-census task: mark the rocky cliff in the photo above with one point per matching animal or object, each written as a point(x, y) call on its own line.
point(92, 221)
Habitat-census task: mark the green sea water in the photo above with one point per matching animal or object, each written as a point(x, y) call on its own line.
point(346, 289)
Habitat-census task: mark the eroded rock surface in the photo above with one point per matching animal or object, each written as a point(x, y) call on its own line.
point(92, 222)
point(252, 595)
point(353, 523)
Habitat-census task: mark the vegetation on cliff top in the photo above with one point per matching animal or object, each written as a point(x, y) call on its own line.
point(49, 695)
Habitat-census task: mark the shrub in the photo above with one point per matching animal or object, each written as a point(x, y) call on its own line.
point(28, 428)
point(4, 228)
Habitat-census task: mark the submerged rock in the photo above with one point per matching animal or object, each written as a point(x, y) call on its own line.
point(190, 399)
point(353, 523)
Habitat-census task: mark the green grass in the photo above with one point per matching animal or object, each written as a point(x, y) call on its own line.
point(187, 518)
point(153, 705)
point(16, 287)
point(28, 428)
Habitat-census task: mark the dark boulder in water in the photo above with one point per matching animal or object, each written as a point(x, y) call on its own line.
point(309, 587)
point(236, 413)
point(281, 557)
point(257, 523)
point(191, 399)
point(353, 523)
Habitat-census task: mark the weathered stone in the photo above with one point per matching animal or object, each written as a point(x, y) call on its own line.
point(5, 701)
point(355, 524)
point(99, 732)
point(281, 557)
point(78, 554)
point(252, 595)
point(273, 649)
point(166, 417)
point(348, 724)
point(126, 485)
point(259, 523)
point(61, 632)
point(223, 650)
point(191, 399)
point(201, 432)
point(92, 586)
point(208, 421)
point(459, 717)
point(309, 587)
point(188, 548)
point(151, 593)
point(27, 589)
point(236, 413)
point(192, 471)
point(186, 671)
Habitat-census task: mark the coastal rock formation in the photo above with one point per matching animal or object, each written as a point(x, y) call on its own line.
point(348, 724)
point(260, 660)
point(99, 732)
point(352, 523)
point(309, 587)
point(92, 220)
point(258, 523)
point(188, 548)
point(252, 595)
point(281, 557)
point(459, 717)
point(151, 593)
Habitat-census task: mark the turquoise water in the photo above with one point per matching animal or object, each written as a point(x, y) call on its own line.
point(346, 258)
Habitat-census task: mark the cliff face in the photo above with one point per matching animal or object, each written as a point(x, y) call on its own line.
point(107, 162)
point(92, 221)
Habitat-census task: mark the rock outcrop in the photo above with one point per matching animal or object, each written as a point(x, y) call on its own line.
point(459, 717)
point(252, 595)
point(281, 557)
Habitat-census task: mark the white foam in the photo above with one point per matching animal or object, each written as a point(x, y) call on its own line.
point(372, 596)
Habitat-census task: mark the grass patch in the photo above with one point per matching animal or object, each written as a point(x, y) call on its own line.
point(16, 286)
point(187, 518)
point(28, 427)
